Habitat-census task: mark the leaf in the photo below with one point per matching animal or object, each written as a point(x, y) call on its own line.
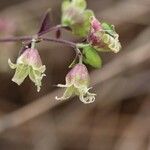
point(91, 57)
point(46, 24)
point(110, 29)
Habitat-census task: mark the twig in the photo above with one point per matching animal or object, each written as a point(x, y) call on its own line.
point(59, 41)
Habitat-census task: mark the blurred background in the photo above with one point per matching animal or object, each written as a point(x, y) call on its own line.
point(120, 117)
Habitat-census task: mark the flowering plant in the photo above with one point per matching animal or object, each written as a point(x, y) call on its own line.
point(98, 37)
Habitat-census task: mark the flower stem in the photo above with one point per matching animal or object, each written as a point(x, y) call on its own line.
point(72, 44)
point(37, 38)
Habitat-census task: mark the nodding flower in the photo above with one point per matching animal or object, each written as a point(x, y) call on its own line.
point(103, 36)
point(28, 64)
point(77, 83)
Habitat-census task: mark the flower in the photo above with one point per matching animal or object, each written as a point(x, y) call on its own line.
point(77, 82)
point(29, 63)
point(103, 36)
point(76, 16)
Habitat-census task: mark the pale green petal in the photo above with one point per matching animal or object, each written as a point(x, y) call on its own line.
point(21, 73)
point(67, 94)
point(12, 65)
point(40, 69)
point(36, 77)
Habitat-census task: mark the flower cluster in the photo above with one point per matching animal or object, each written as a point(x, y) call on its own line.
point(98, 37)
point(101, 35)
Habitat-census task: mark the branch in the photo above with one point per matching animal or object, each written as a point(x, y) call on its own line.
point(29, 38)
point(61, 41)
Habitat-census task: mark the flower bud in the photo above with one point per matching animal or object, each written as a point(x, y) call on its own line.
point(103, 36)
point(76, 16)
point(77, 82)
point(29, 63)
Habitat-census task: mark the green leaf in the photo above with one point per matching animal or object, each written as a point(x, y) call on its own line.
point(110, 29)
point(91, 57)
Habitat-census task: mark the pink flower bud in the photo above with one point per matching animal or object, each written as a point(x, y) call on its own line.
point(95, 25)
point(95, 32)
point(103, 38)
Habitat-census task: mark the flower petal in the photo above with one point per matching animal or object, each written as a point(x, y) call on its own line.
point(36, 76)
point(87, 98)
point(21, 73)
point(12, 65)
point(62, 85)
point(67, 94)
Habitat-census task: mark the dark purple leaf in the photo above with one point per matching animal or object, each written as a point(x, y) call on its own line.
point(46, 24)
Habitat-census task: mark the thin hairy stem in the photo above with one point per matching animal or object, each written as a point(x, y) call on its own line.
point(61, 41)
point(38, 38)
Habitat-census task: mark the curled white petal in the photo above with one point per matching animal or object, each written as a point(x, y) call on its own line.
point(62, 85)
point(87, 99)
point(12, 65)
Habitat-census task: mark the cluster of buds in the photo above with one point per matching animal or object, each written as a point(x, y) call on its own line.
point(77, 82)
point(76, 16)
point(103, 36)
point(28, 64)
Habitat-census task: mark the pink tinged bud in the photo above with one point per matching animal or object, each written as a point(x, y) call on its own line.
point(95, 25)
point(101, 40)
point(29, 63)
point(95, 32)
point(77, 81)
